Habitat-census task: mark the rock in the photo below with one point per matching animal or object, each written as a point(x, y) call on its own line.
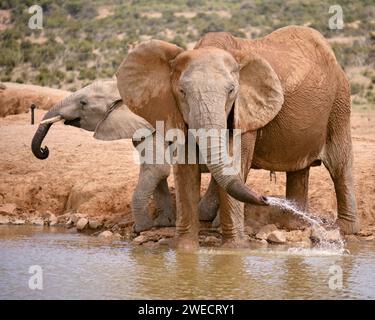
point(140, 239)
point(211, 241)
point(155, 235)
point(94, 224)
point(117, 236)
point(37, 222)
point(351, 238)
point(46, 215)
point(4, 220)
point(106, 234)
point(369, 238)
point(150, 244)
point(365, 233)
point(82, 223)
point(18, 222)
point(164, 241)
point(298, 235)
point(319, 234)
point(277, 236)
point(52, 220)
point(125, 222)
point(264, 231)
point(249, 230)
point(63, 218)
point(75, 217)
point(8, 209)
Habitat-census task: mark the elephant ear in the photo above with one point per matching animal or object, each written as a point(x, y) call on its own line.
point(260, 96)
point(120, 123)
point(144, 83)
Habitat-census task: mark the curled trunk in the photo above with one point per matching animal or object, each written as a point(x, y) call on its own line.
point(40, 134)
point(38, 151)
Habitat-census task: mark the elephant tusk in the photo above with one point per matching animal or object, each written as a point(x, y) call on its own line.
point(51, 120)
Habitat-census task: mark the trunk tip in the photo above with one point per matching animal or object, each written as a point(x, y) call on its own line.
point(41, 153)
point(238, 190)
point(265, 201)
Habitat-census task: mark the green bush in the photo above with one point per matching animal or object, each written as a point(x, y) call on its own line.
point(86, 39)
point(356, 88)
point(49, 77)
point(370, 96)
point(87, 73)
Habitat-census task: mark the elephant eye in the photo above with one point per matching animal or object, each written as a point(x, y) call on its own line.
point(231, 89)
point(83, 103)
point(182, 92)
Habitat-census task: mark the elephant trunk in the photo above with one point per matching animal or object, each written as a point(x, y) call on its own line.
point(38, 151)
point(219, 165)
point(224, 174)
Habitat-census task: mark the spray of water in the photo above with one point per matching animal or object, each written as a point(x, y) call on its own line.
point(325, 244)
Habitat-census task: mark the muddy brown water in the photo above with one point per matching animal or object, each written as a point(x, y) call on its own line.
point(77, 266)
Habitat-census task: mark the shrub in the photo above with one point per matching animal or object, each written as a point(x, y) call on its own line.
point(87, 74)
point(356, 88)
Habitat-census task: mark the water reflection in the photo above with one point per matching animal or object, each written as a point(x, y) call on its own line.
point(77, 266)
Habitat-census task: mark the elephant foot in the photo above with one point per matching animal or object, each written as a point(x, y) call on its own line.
point(137, 228)
point(348, 227)
point(185, 243)
point(207, 210)
point(145, 224)
point(233, 243)
point(165, 219)
point(209, 204)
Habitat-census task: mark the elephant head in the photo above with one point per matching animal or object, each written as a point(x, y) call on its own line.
point(199, 89)
point(96, 107)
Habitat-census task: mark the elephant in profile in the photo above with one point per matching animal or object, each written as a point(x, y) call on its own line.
point(88, 108)
point(287, 94)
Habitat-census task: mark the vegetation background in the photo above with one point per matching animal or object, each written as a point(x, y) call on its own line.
point(86, 40)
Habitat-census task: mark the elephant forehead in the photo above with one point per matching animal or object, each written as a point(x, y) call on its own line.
point(207, 78)
point(204, 59)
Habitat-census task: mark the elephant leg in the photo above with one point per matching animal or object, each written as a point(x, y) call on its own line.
point(338, 160)
point(187, 184)
point(209, 204)
point(150, 175)
point(297, 186)
point(164, 207)
point(346, 204)
point(231, 210)
point(232, 220)
point(216, 222)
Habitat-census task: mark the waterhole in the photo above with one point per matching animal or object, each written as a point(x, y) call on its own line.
point(76, 266)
